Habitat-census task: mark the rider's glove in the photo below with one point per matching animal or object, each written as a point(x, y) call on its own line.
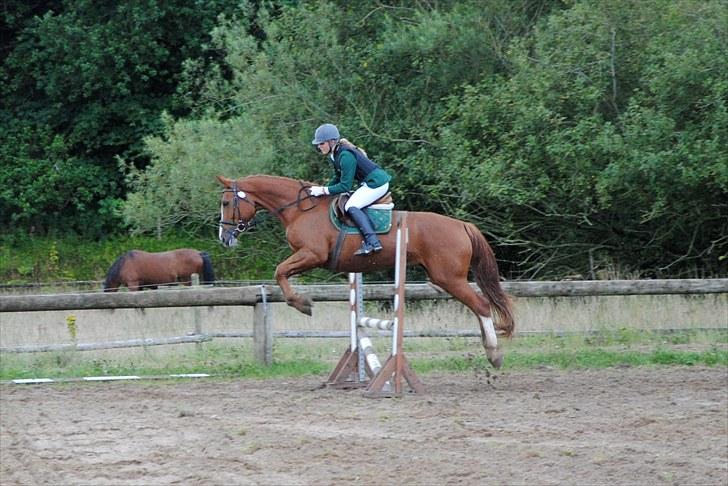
point(318, 191)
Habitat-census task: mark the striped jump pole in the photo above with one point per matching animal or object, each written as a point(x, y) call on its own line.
point(359, 362)
point(359, 366)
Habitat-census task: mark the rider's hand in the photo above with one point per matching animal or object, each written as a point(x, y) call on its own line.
point(318, 191)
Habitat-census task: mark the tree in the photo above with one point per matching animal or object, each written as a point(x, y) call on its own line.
point(379, 73)
point(95, 77)
point(176, 188)
point(584, 138)
point(605, 148)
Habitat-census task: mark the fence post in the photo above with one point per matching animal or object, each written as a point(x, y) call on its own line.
point(262, 330)
point(195, 282)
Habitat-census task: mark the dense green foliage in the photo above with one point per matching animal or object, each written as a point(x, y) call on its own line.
point(82, 82)
point(583, 137)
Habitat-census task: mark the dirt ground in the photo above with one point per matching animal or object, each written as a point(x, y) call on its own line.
point(642, 426)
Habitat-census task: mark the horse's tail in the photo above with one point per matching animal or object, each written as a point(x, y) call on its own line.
point(208, 275)
point(485, 269)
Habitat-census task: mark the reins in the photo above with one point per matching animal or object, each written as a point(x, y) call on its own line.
point(298, 200)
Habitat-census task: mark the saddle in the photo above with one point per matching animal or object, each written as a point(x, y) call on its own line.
point(380, 212)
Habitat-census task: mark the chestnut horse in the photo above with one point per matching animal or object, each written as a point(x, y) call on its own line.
point(447, 248)
point(139, 270)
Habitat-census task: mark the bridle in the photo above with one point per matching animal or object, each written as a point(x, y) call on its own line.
point(240, 225)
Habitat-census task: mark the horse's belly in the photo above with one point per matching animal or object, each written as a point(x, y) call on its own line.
point(158, 278)
point(383, 260)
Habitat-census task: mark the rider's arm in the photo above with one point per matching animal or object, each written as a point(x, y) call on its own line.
point(348, 171)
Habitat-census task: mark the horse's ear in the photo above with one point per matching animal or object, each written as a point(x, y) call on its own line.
point(224, 181)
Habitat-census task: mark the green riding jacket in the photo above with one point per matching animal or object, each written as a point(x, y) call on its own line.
point(346, 174)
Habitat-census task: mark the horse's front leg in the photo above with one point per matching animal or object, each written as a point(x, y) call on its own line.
point(299, 262)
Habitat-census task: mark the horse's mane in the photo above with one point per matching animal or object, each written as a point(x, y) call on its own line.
point(282, 179)
point(113, 273)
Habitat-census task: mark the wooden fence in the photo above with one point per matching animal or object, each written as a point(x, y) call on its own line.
point(259, 296)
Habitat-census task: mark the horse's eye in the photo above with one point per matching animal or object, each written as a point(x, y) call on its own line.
point(225, 203)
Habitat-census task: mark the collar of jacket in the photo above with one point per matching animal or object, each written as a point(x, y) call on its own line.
point(332, 154)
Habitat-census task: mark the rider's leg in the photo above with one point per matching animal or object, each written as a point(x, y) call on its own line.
point(371, 242)
point(361, 198)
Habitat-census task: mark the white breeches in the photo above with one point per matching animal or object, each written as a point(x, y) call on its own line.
point(365, 195)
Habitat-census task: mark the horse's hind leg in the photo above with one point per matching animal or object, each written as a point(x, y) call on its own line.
point(462, 291)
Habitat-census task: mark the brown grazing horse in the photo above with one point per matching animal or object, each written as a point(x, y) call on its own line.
point(447, 248)
point(139, 270)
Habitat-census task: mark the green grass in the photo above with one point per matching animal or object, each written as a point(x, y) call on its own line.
point(301, 357)
point(217, 360)
point(580, 359)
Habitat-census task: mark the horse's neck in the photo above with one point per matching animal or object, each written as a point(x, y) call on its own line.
point(276, 194)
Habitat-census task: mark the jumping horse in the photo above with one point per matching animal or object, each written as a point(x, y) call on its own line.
point(447, 248)
point(139, 270)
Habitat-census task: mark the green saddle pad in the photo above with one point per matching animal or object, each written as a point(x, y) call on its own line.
point(381, 220)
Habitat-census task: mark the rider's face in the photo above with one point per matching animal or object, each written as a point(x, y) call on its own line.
point(324, 147)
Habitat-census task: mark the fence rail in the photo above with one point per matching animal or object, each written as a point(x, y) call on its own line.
point(260, 296)
point(250, 295)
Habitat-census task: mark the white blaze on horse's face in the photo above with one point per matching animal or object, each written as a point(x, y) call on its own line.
point(222, 217)
point(226, 237)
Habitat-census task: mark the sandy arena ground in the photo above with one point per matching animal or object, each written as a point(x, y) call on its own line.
point(615, 426)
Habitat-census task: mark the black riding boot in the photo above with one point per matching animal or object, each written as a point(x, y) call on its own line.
point(371, 242)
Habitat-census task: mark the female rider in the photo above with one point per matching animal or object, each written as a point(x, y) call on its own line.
point(352, 164)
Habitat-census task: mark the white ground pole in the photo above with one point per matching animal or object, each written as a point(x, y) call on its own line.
point(36, 381)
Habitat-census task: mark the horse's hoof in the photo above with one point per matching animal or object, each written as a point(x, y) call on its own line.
point(302, 304)
point(306, 309)
point(495, 357)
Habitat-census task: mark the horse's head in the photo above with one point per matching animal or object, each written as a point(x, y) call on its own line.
point(237, 211)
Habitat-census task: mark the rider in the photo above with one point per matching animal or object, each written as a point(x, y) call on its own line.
point(351, 164)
